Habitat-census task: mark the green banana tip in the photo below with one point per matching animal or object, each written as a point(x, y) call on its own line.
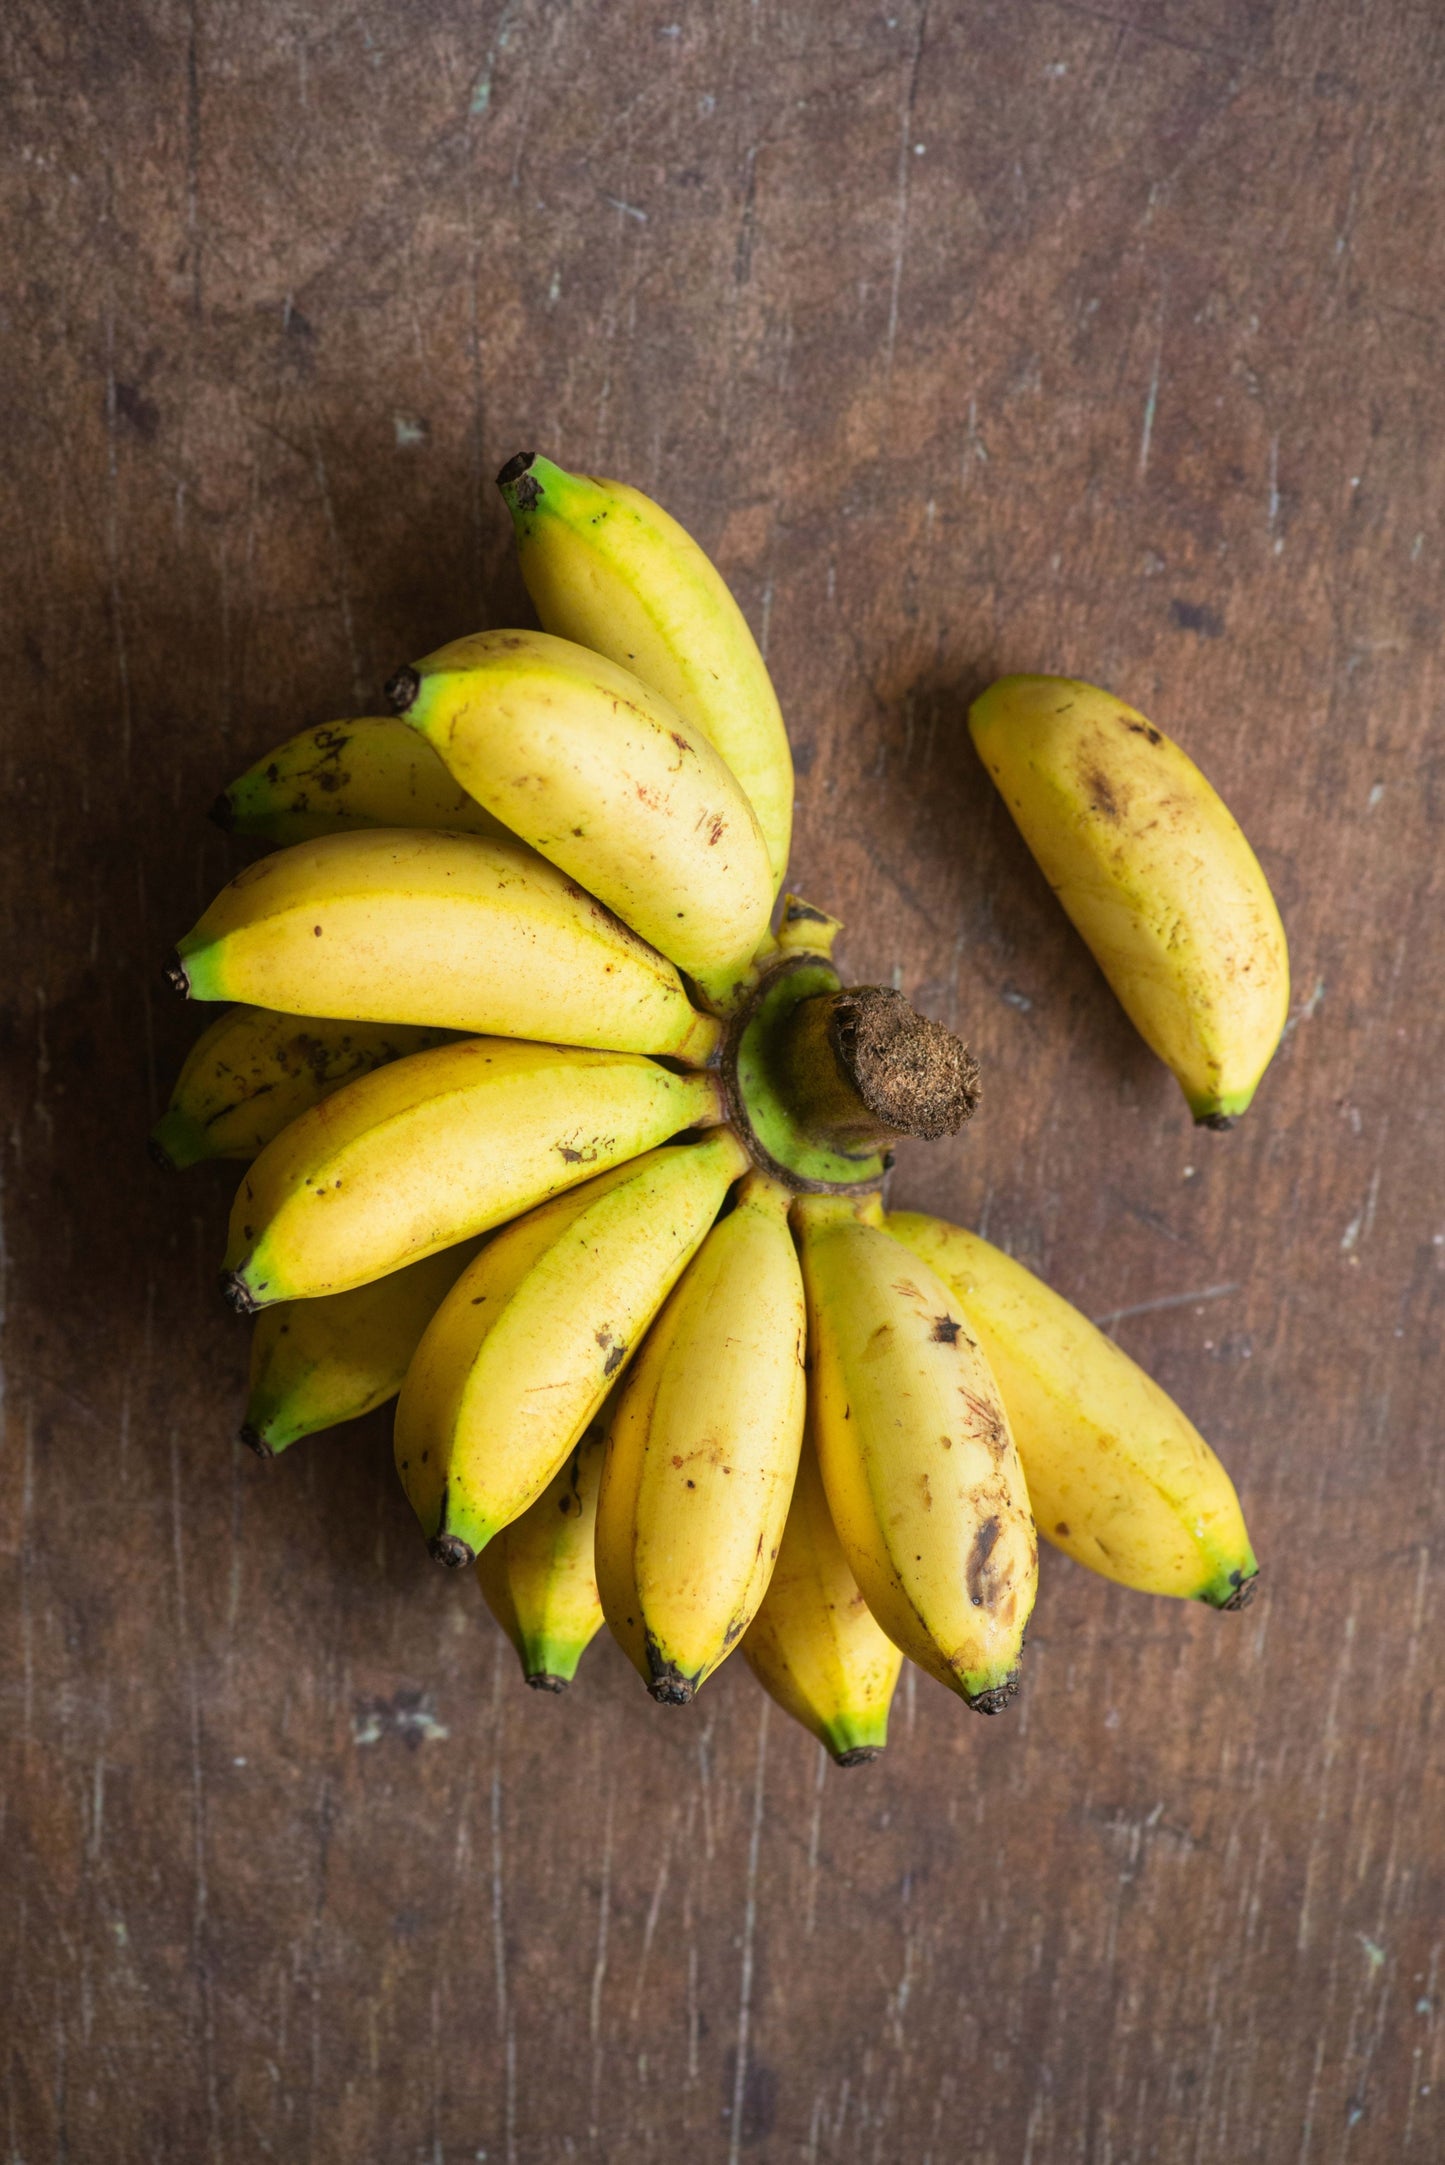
point(402, 688)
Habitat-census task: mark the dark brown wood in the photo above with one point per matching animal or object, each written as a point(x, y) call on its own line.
point(1025, 335)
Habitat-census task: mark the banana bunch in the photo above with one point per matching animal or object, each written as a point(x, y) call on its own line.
point(558, 1131)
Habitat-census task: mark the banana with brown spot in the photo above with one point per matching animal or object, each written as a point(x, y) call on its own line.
point(456, 931)
point(1153, 869)
point(254, 1070)
point(521, 1354)
point(1119, 1479)
point(608, 567)
point(372, 772)
point(539, 1575)
point(923, 1480)
point(703, 1452)
point(813, 1645)
point(316, 1363)
point(584, 762)
point(437, 1147)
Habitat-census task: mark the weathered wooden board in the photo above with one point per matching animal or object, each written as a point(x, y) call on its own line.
point(969, 337)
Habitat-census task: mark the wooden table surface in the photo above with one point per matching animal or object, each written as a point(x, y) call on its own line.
point(1100, 338)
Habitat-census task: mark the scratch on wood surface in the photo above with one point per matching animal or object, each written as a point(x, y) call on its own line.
point(200, 1950)
point(505, 2027)
point(599, 1964)
point(1112, 1316)
point(1151, 402)
point(815, 1828)
point(112, 547)
point(750, 1920)
point(904, 183)
point(654, 1910)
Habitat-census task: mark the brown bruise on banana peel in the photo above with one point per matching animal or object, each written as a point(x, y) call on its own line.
point(1088, 784)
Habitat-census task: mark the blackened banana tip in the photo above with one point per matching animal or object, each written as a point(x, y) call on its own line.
point(859, 1756)
point(223, 813)
point(543, 1681)
point(174, 972)
point(994, 1702)
point(255, 1441)
point(451, 1550)
point(670, 1689)
point(158, 1154)
point(515, 468)
point(235, 1290)
point(401, 689)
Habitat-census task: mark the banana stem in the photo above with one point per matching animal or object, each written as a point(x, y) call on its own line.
point(861, 1069)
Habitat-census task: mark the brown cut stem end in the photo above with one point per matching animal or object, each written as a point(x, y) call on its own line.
point(542, 1681)
point(255, 1441)
point(173, 970)
point(1221, 1123)
point(1245, 1590)
point(859, 1755)
point(861, 1069)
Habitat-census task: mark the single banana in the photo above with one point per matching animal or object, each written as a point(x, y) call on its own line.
point(1119, 1479)
point(923, 1480)
point(439, 1146)
point(1155, 873)
point(813, 1645)
point(601, 775)
point(606, 566)
point(539, 1577)
point(449, 930)
point(374, 772)
point(254, 1070)
point(317, 1362)
point(523, 1351)
point(703, 1451)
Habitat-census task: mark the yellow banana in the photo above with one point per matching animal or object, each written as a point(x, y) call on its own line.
point(605, 778)
point(1119, 1479)
point(1156, 875)
point(254, 1070)
point(450, 930)
point(703, 1452)
point(923, 1480)
point(813, 1645)
point(437, 1147)
point(317, 1362)
point(606, 566)
point(523, 1351)
point(539, 1577)
point(374, 772)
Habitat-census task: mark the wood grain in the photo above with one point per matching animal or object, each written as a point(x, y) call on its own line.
point(970, 337)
